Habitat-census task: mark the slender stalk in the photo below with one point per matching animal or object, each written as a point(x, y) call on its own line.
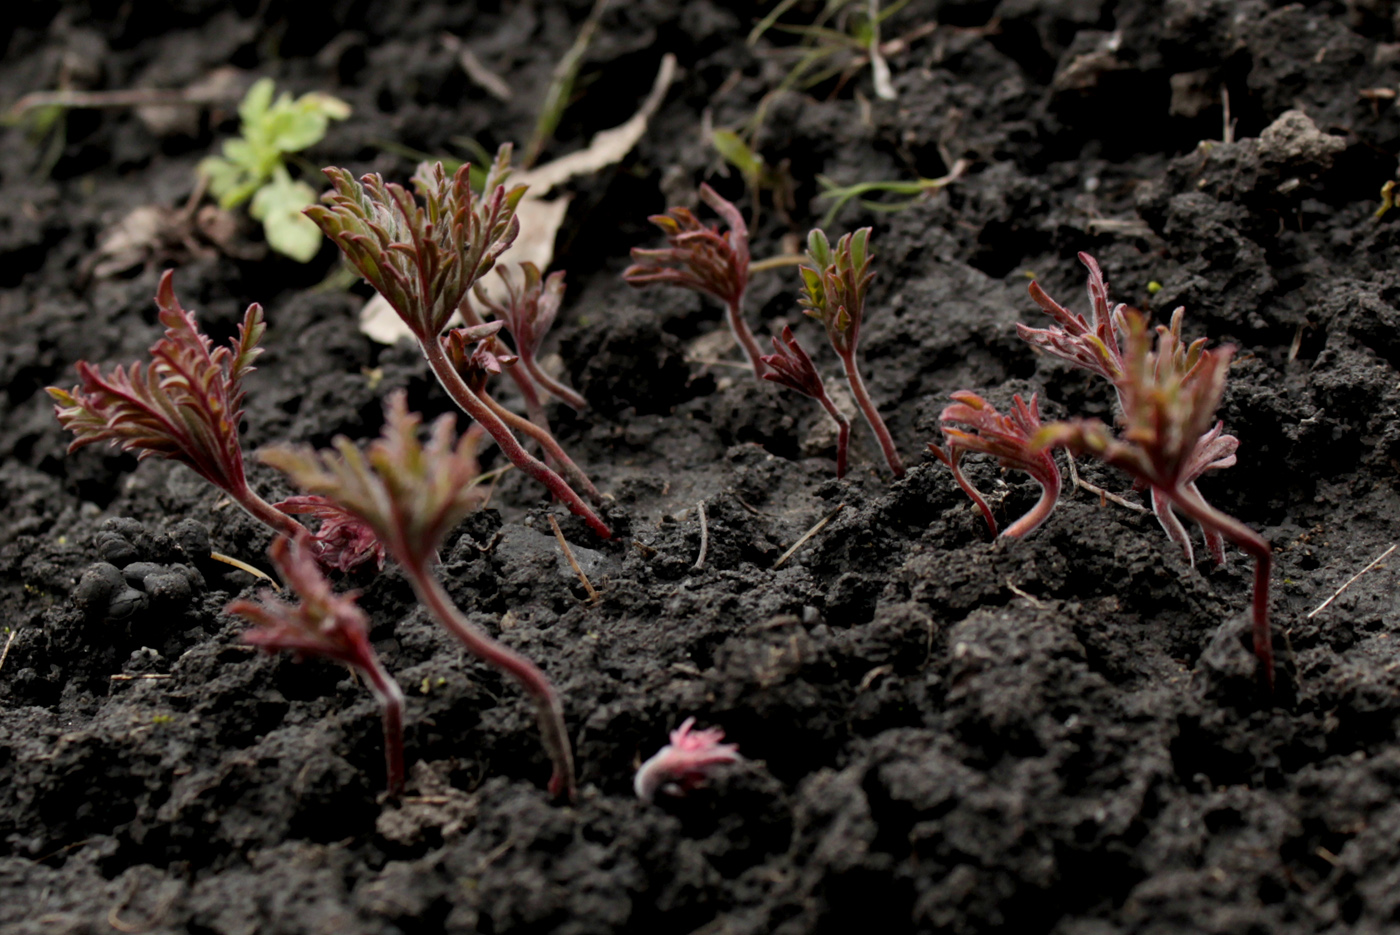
point(533, 406)
point(462, 395)
point(267, 514)
point(1049, 496)
point(390, 697)
point(573, 473)
point(973, 493)
point(1191, 503)
point(531, 679)
point(741, 331)
point(843, 433)
point(872, 415)
point(553, 387)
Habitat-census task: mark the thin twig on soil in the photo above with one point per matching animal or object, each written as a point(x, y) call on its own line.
point(244, 566)
point(573, 562)
point(704, 538)
point(821, 524)
point(128, 678)
point(1035, 601)
point(1099, 491)
point(5, 654)
point(1350, 581)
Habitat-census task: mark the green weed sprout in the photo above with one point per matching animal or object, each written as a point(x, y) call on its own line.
point(254, 166)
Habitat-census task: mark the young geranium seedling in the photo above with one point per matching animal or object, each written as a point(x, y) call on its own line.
point(704, 260)
point(411, 494)
point(685, 763)
point(1009, 439)
point(423, 259)
point(185, 405)
point(254, 165)
point(1169, 398)
point(791, 366)
point(329, 625)
point(834, 289)
point(1097, 346)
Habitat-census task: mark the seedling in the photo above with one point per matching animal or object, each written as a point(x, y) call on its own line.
point(254, 165)
point(919, 189)
point(791, 366)
point(342, 542)
point(1169, 397)
point(411, 495)
point(1097, 346)
point(703, 259)
point(488, 358)
point(528, 310)
point(834, 288)
point(328, 625)
point(1009, 439)
point(185, 405)
point(684, 764)
point(423, 259)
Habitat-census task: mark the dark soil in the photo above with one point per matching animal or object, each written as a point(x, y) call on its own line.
point(1063, 734)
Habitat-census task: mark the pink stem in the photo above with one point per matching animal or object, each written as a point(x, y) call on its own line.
point(267, 514)
point(566, 464)
point(531, 679)
point(972, 492)
point(872, 415)
point(1049, 496)
point(553, 387)
point(390, 697)
point(741, 331)
point(843, 433)
point(461, 394)
point(1194, 506)
point(533, 406)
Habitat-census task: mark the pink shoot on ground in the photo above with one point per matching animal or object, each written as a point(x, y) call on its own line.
point(1170, 396)
point(790, 365)
point(704, 260)
point(1098, 346)
point(185, 405)
point(685, 763)
point(328, 625)
point(834, 288)
point(412, 494)
point(424, 259)
point(1009, 439)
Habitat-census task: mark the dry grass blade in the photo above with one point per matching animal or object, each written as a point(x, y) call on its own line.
point(821, 524)
point(1350, 581)
point(573, 562)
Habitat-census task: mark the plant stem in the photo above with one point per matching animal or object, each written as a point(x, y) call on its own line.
point(1049, 496)
point(1194, 506)
point(533, 406)
point(872, 415)
point(843, 432)
point(573, 472)
point(972, 492)
point(267, 514)
point(531, 679)
point(462, 395)
point(390, 697)
point(553, 387)
point(740, 329)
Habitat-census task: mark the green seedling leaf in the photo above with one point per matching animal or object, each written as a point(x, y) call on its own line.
point(279, 205)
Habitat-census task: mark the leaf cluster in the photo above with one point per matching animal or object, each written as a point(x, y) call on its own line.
point(253, 165)
point(185, 405)
point(422, 258)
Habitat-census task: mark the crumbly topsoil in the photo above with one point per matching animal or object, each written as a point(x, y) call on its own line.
point(943, 733)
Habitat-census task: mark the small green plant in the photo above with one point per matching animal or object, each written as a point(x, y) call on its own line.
point(254, 165)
